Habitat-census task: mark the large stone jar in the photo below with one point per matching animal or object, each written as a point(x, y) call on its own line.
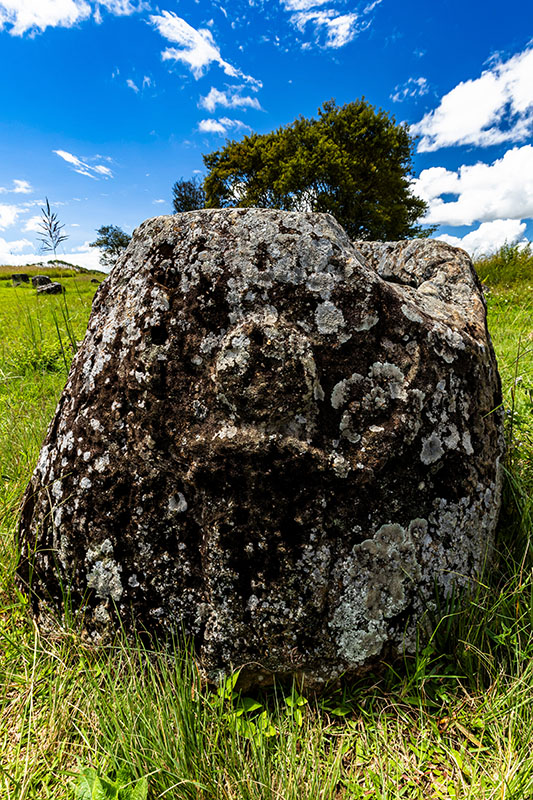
point(274, 440)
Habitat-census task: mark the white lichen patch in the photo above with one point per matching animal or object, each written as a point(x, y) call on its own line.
point(392, 376)
point(321, 283)
point(103, 573)
point(410, 313)
point(328, 318)
point(341, 391)
point(101, 462)
point(341, 466)
point(432, 449)
point(226, 432)
point(378, 581)
point(234, 355)
point(366, 323)
point(177, 503)
point(101, 615)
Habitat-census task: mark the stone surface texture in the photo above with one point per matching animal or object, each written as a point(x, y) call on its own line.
point(273, 439)
point(20, 277)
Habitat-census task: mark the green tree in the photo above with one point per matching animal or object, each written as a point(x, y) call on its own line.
point(51, 236)
point(187, 195)
point(112, 241)
point(352, 162)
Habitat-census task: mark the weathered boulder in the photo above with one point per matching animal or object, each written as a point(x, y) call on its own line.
point(273, 440)
point(51, 288)
point(20, 277)
point(40, 280)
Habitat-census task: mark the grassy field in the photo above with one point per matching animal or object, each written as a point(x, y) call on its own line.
point(456, 721)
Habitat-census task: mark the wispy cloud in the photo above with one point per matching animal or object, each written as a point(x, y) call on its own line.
point(221, 126)
point(22, 16)
point(489, 237)
point(83, 168)
point(332, 28)
point(124, 7)
point(132, 85)
point(303, 5)
point(19, 187)
point(339, 28)
point(198, 49)
point(231, 98)
point(494, 108)
point(484, 192)
point(413, 87)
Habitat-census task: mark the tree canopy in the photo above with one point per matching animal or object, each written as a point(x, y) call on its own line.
point(187, 195)
point(112, 241)
point(352, 162)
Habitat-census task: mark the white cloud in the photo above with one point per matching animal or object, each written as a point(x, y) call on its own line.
point(83, 168)
point(332, 28)
point(413, 87)
point(229, 99)
point(8, 215)
point(158, 201)
point(489, 237)
point(24, 16)
point(132, 85)
point(35, 16)
point(33, 225)
point(10, 253)
point(302, 5)
point(340, 28)
point(19, 187)
point(494, 108)
point(22, 187)
point(147, 82)
point(7, 249)
point(198, 48)
point(221, 126)
point(485, 192)
point(124, 7)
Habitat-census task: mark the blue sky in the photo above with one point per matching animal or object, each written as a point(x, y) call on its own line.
point(105, 103)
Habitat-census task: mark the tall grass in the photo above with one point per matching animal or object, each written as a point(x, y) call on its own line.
point(454, 721)
point(511, 264)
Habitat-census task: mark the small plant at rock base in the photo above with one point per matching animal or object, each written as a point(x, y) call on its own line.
point(92, 786)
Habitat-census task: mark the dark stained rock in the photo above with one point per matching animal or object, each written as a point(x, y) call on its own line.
point(274, 440)
point(40, 280)
point(51, 288)
point(20, 277)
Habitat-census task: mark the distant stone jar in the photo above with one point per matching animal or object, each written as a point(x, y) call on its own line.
point(274, 440)
point(51, 288)
point(40, 280)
